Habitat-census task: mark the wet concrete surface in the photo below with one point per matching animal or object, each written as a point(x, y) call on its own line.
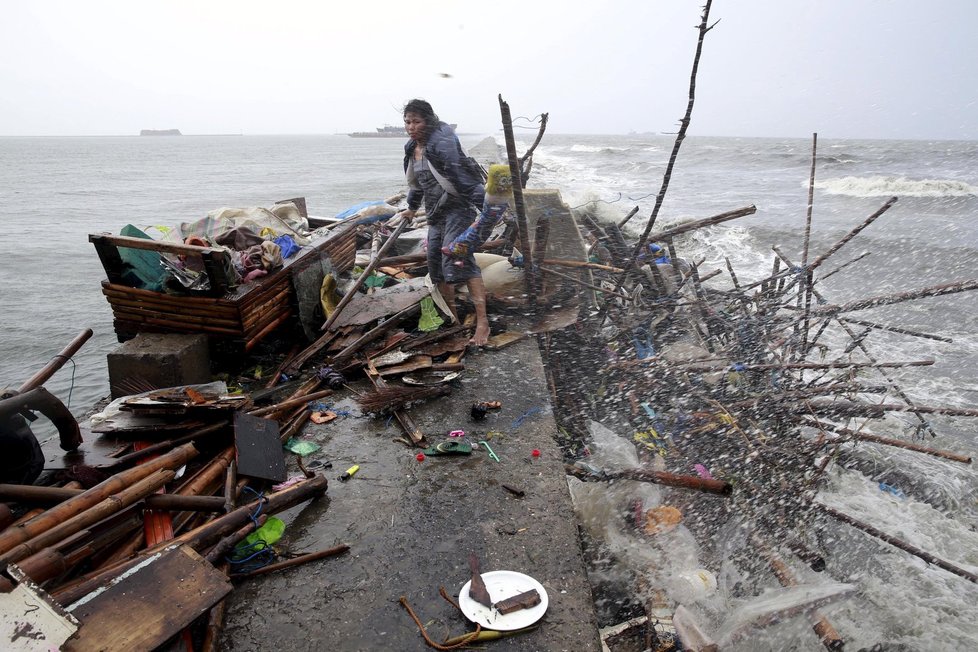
point(411, 526)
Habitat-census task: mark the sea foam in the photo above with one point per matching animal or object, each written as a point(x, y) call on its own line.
point(880, 186)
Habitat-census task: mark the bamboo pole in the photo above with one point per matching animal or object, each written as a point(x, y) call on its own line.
point(894, 329)
point(878, 409)
point(899, 297)
point(559, 262)
point(284, 405)
point(669, 234)
point(852, 234)
point(32, 494)
point(806, 291)
point(56, 362)
point(295, 561)
point(898, 543)
point(18, 534)
point(630, 215)
point(718, 487)
point(226, 544)
point(889, 441)
point(582, 283)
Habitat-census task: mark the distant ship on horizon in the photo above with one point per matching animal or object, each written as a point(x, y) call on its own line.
point(387, 131)
point(160, 132)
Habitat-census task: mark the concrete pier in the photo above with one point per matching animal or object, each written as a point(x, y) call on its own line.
point(411, 525)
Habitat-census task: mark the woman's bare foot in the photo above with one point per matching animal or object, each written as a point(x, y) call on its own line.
point(481, 335)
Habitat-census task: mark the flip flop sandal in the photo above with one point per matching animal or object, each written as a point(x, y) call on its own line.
point(449, 448)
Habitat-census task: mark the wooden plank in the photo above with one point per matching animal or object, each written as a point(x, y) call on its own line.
point(503, 340)
point(111, 260)
point(105, 239)
point(30, 620)
point(259, 450)
point(415, 363)
point(142, 608)
point(364, 309)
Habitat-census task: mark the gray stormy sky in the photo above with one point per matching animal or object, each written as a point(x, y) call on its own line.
point(843, 68)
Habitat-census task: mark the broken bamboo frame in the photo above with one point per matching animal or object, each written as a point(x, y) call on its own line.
point(862, 347)
point(18, 534)
point(202, 536)
point(343, 356)
point(105, 508)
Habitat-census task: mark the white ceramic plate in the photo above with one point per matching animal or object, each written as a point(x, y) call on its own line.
point(501, 585)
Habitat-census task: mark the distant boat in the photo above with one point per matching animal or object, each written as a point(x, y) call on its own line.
point(160, 132)
point(387, 131)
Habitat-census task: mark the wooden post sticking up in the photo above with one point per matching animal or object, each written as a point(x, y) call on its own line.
point(804, 254)
point(530, 275)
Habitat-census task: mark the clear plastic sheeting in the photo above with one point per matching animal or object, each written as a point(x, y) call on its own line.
point(774, 607)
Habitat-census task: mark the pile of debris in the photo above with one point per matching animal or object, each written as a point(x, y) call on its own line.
point(757, 387)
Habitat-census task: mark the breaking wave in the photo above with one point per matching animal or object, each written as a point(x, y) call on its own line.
point(594, 149)
point(880, 186)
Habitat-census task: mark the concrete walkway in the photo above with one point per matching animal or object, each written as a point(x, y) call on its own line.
point(411, 526)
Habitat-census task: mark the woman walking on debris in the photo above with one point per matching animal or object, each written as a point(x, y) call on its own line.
point(438, 172)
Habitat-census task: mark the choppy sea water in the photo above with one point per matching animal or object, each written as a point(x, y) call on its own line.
point(55, 191)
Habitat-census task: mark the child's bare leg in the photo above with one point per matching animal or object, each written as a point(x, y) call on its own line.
point(477, 292)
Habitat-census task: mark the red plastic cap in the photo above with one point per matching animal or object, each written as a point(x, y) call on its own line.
point(535, 452)
point(420, 457)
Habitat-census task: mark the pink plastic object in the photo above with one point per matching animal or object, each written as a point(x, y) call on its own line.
point(702, 471)
point(457, 433)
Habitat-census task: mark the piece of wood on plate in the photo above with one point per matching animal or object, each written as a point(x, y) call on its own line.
point(142, 608)
point(518, 602)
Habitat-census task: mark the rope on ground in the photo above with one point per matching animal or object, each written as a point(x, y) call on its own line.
point(427, 639)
